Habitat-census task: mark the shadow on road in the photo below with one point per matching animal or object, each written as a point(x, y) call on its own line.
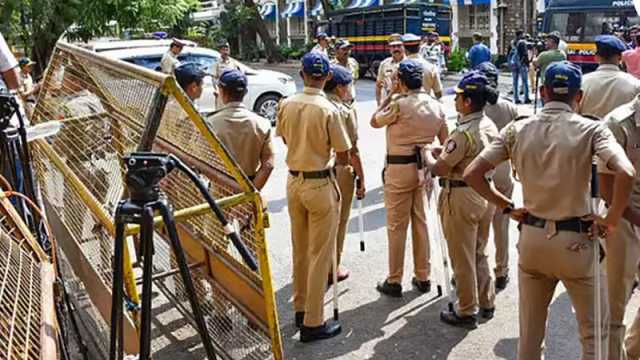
point(507, 349)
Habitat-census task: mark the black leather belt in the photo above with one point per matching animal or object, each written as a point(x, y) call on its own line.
point(320, 174)
point(451, 183)
point(574, 224)
point(251, 177)
point(402, 159)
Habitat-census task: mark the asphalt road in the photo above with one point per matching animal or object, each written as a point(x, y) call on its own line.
point(377, 327)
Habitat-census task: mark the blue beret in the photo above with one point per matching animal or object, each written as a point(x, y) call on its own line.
point(610, 42)
point(223, 44)
point(489, 70)
point(410, 39)
point(410, 70)
point(233, 78)
point(472, 82)
point(315, 63)
point(321, 35)
point(562, 76)
point(341, 75)
point(188, 73)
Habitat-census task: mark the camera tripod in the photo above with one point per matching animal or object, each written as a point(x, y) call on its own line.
point(144, 172)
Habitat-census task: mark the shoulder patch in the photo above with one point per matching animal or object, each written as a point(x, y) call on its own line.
point(451, 146)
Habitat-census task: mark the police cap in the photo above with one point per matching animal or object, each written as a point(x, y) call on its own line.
point(410, 71)
point(562, 76)
point(223, 44)
point(177, 42)
point(315, 63)
point(343, 43)
point(233, 79)
point(410, 39)
point(473, 82)
point(341, 75)
point(489, 70)
point(610, 43)
point(395, 39)
point(321, 35)
point(188, 73)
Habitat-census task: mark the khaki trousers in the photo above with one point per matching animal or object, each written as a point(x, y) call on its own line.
point(404, 200)
point(314, 210)
point(500, 222)
point(621, 266)
point(466, 218)
point(345, 178)
point(543, 262)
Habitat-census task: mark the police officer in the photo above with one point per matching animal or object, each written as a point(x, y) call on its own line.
point(388, 66)
point(169, 60)
point(465, 216)
point(430, 78)
point(338, 90)
point(501, 112)
point(622, 248)
point(343, 57)
point(554, 243)
point(312, 194)
point(190, 77)
point(608, 87)
point(322, 45)
point(226, 62)
point(244, 133)
point(413, 120)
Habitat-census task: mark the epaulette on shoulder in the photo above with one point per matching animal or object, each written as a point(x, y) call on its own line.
point(591, 117)
point(621, 113)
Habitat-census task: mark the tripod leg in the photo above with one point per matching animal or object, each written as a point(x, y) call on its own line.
point(146, 237)
point(170, 224)
point(117, 292)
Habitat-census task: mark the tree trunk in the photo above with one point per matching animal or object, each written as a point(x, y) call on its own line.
point(271, 49)
point(326, 7)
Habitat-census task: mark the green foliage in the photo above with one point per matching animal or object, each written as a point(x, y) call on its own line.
point(457, 60)
point(292, 52)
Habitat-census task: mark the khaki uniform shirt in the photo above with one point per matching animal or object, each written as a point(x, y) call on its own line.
point(624, 123)
point(311, 127)
point(548, 153)
point(169, 62)
point(223, 65)
point(244, 133)
point(320, 49)
point(26, 83)
point(474, 133)
point(353, 67)
point(430, 79)
point(501, 113)
point(347, 117)
point(605, 89)
point(411, 119)
point(385, 74)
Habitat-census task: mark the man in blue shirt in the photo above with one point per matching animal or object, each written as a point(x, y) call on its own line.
point(479, 52)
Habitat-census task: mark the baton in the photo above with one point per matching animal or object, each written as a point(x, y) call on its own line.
point(360, 217)
point(535, 98)
point(596, 268)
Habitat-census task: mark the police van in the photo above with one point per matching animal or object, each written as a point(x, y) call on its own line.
point(580, 21)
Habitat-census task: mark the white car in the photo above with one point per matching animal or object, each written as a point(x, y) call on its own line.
point(265, 89)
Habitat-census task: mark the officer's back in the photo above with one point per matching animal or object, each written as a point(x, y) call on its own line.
point(419, 121)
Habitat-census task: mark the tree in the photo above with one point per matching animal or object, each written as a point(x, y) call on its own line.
point(270, 47)
point(83, 19)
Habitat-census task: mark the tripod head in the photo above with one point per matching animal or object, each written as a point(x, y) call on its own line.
point(144, 172)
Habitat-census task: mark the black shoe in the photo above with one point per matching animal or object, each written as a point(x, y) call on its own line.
point(501, 282)
point(527, 101)
point(299, 318)
point(517, 102)
point(422, 286)
point(450, 317)
point(387, 288)
point(325, 331)
point(487, 313)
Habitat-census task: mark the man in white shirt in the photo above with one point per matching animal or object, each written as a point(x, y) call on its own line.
point(8, 66)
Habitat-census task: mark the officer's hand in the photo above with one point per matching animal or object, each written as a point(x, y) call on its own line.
point(360, 192)
point(603, 226)
point(518, 214)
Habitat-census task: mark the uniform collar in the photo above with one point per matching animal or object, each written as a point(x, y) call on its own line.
point(393, 60)
point(557, 105)
point(333, 97)
point(463, 119)
point(609, 67)
point(313, 91)
point(233, 104)
point(413, 56)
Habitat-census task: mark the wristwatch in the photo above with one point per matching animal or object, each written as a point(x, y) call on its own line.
point(507, 210)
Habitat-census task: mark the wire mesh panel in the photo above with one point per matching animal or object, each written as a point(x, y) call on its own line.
point(26, 294)
point(109, 108)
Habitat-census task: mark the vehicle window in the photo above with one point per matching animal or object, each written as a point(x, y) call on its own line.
point(206, 62)
point(569, 25)
point(151, 62)
point(599, 23)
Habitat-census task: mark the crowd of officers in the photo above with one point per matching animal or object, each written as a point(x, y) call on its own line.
point(584, 119)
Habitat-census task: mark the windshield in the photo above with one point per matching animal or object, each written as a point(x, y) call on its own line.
point(585, 26)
